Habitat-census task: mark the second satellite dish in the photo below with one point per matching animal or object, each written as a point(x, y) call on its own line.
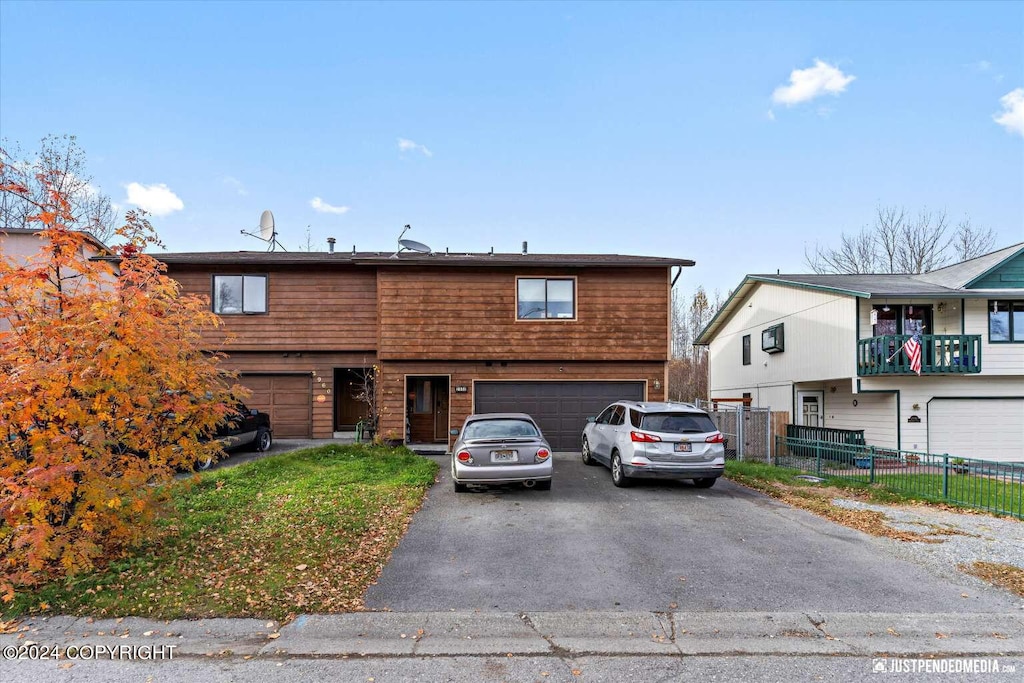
point(413, 245)
point(267, 225)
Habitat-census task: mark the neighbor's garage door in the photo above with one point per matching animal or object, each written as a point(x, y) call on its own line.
point(560, 408)
point(992, 429)
point(288, 399)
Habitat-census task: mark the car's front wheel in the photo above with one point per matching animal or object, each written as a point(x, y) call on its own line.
point(586, 454)
point(204, 464)
point(619, 477)
point(705, 483)
point(263, 440)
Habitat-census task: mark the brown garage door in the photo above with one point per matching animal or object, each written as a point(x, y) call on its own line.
point(288, 399)
point(560, 408)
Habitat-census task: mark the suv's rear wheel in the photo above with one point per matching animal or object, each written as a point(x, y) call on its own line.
point(705, 483)
point(263, 439)
point(619, 477)
point(586, 454)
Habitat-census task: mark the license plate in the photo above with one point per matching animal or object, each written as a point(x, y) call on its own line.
point(683, 447)
point(504, 456)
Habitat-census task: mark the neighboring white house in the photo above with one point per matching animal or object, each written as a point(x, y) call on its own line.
point(19, 244)
point(822, 347)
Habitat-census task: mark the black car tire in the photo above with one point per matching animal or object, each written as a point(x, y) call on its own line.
point(459, 488)
point(543, 485)
point(619, 477)
point(263, 440)
point(204, 465)
point(705, 483)
point(585, 453)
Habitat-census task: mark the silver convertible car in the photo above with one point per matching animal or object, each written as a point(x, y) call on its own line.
point(501, 448)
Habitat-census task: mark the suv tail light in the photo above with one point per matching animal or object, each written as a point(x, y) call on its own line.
point(464, 456)
point(716, 438)
point(543, 454)
point(640, 437)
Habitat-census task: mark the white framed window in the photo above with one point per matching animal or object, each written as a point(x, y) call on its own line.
point(239, 294)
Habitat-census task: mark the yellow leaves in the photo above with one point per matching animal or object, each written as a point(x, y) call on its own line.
point(114, 503)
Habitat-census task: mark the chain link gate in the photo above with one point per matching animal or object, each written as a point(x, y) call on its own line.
point(747, 430)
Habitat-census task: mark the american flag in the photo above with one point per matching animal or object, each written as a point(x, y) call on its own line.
point(913, 348)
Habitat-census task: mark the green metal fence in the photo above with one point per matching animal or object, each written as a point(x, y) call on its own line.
point(983, 484)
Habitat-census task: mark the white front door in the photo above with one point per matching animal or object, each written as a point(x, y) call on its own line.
point(810, 407)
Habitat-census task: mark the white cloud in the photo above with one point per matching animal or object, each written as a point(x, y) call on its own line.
point(235, 184)
point(1012, 116)
point(157, 199)
point(808, 84)
point(410, 146)
point(983, 65)
point(770, 115)
point(321, 206)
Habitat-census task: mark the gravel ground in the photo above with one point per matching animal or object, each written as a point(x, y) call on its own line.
point(965, 537)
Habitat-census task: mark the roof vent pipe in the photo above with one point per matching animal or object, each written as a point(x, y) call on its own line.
point(330, 244)
point(492, 251)
point(524, 247)
point(353, 250)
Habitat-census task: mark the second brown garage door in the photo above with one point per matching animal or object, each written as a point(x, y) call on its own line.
point(287, 398)
point(560, 408)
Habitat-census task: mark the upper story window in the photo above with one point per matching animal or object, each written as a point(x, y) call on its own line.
point(545, 298)
point(1006, 321)
point(746, 349)
point(239, 294)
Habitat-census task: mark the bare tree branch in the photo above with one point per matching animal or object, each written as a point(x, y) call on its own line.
point(62, 162)
point(970, 241)
point(900, 243)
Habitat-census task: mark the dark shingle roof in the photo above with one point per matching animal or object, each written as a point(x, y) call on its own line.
point(415, 259)
point(868, 285)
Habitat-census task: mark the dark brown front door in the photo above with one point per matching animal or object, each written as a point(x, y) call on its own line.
point(441, 412)
point(427, 409)
point(348, 408)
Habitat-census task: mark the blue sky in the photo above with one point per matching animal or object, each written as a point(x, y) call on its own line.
point(660, 129)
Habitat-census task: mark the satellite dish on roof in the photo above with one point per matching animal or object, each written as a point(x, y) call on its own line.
point(268, 232)
point(267, 225)
point(413, 245)
point(410, 245)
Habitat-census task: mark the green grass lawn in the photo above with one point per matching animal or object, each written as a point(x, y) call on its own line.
point(306, 531)
point(901, 486)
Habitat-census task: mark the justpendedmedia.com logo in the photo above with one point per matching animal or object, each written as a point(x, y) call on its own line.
point(967, 665)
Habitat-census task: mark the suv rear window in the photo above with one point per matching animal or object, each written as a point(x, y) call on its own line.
point(678, 423)
point(499, 429)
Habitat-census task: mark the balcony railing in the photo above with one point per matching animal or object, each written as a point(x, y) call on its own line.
point(941, 354)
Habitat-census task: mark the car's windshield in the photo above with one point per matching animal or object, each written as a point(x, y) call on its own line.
point(503, 428)
point(677, 423)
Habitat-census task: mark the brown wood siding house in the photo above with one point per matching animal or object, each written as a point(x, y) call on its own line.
point(557, 336)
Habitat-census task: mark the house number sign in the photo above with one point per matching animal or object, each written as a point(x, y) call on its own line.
point(460, 389)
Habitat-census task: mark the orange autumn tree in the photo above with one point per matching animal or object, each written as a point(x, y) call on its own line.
point(104, 393)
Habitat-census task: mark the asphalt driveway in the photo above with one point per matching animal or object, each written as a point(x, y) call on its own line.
point(660, 546)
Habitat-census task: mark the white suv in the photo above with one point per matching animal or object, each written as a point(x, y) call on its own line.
point(655, 440)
